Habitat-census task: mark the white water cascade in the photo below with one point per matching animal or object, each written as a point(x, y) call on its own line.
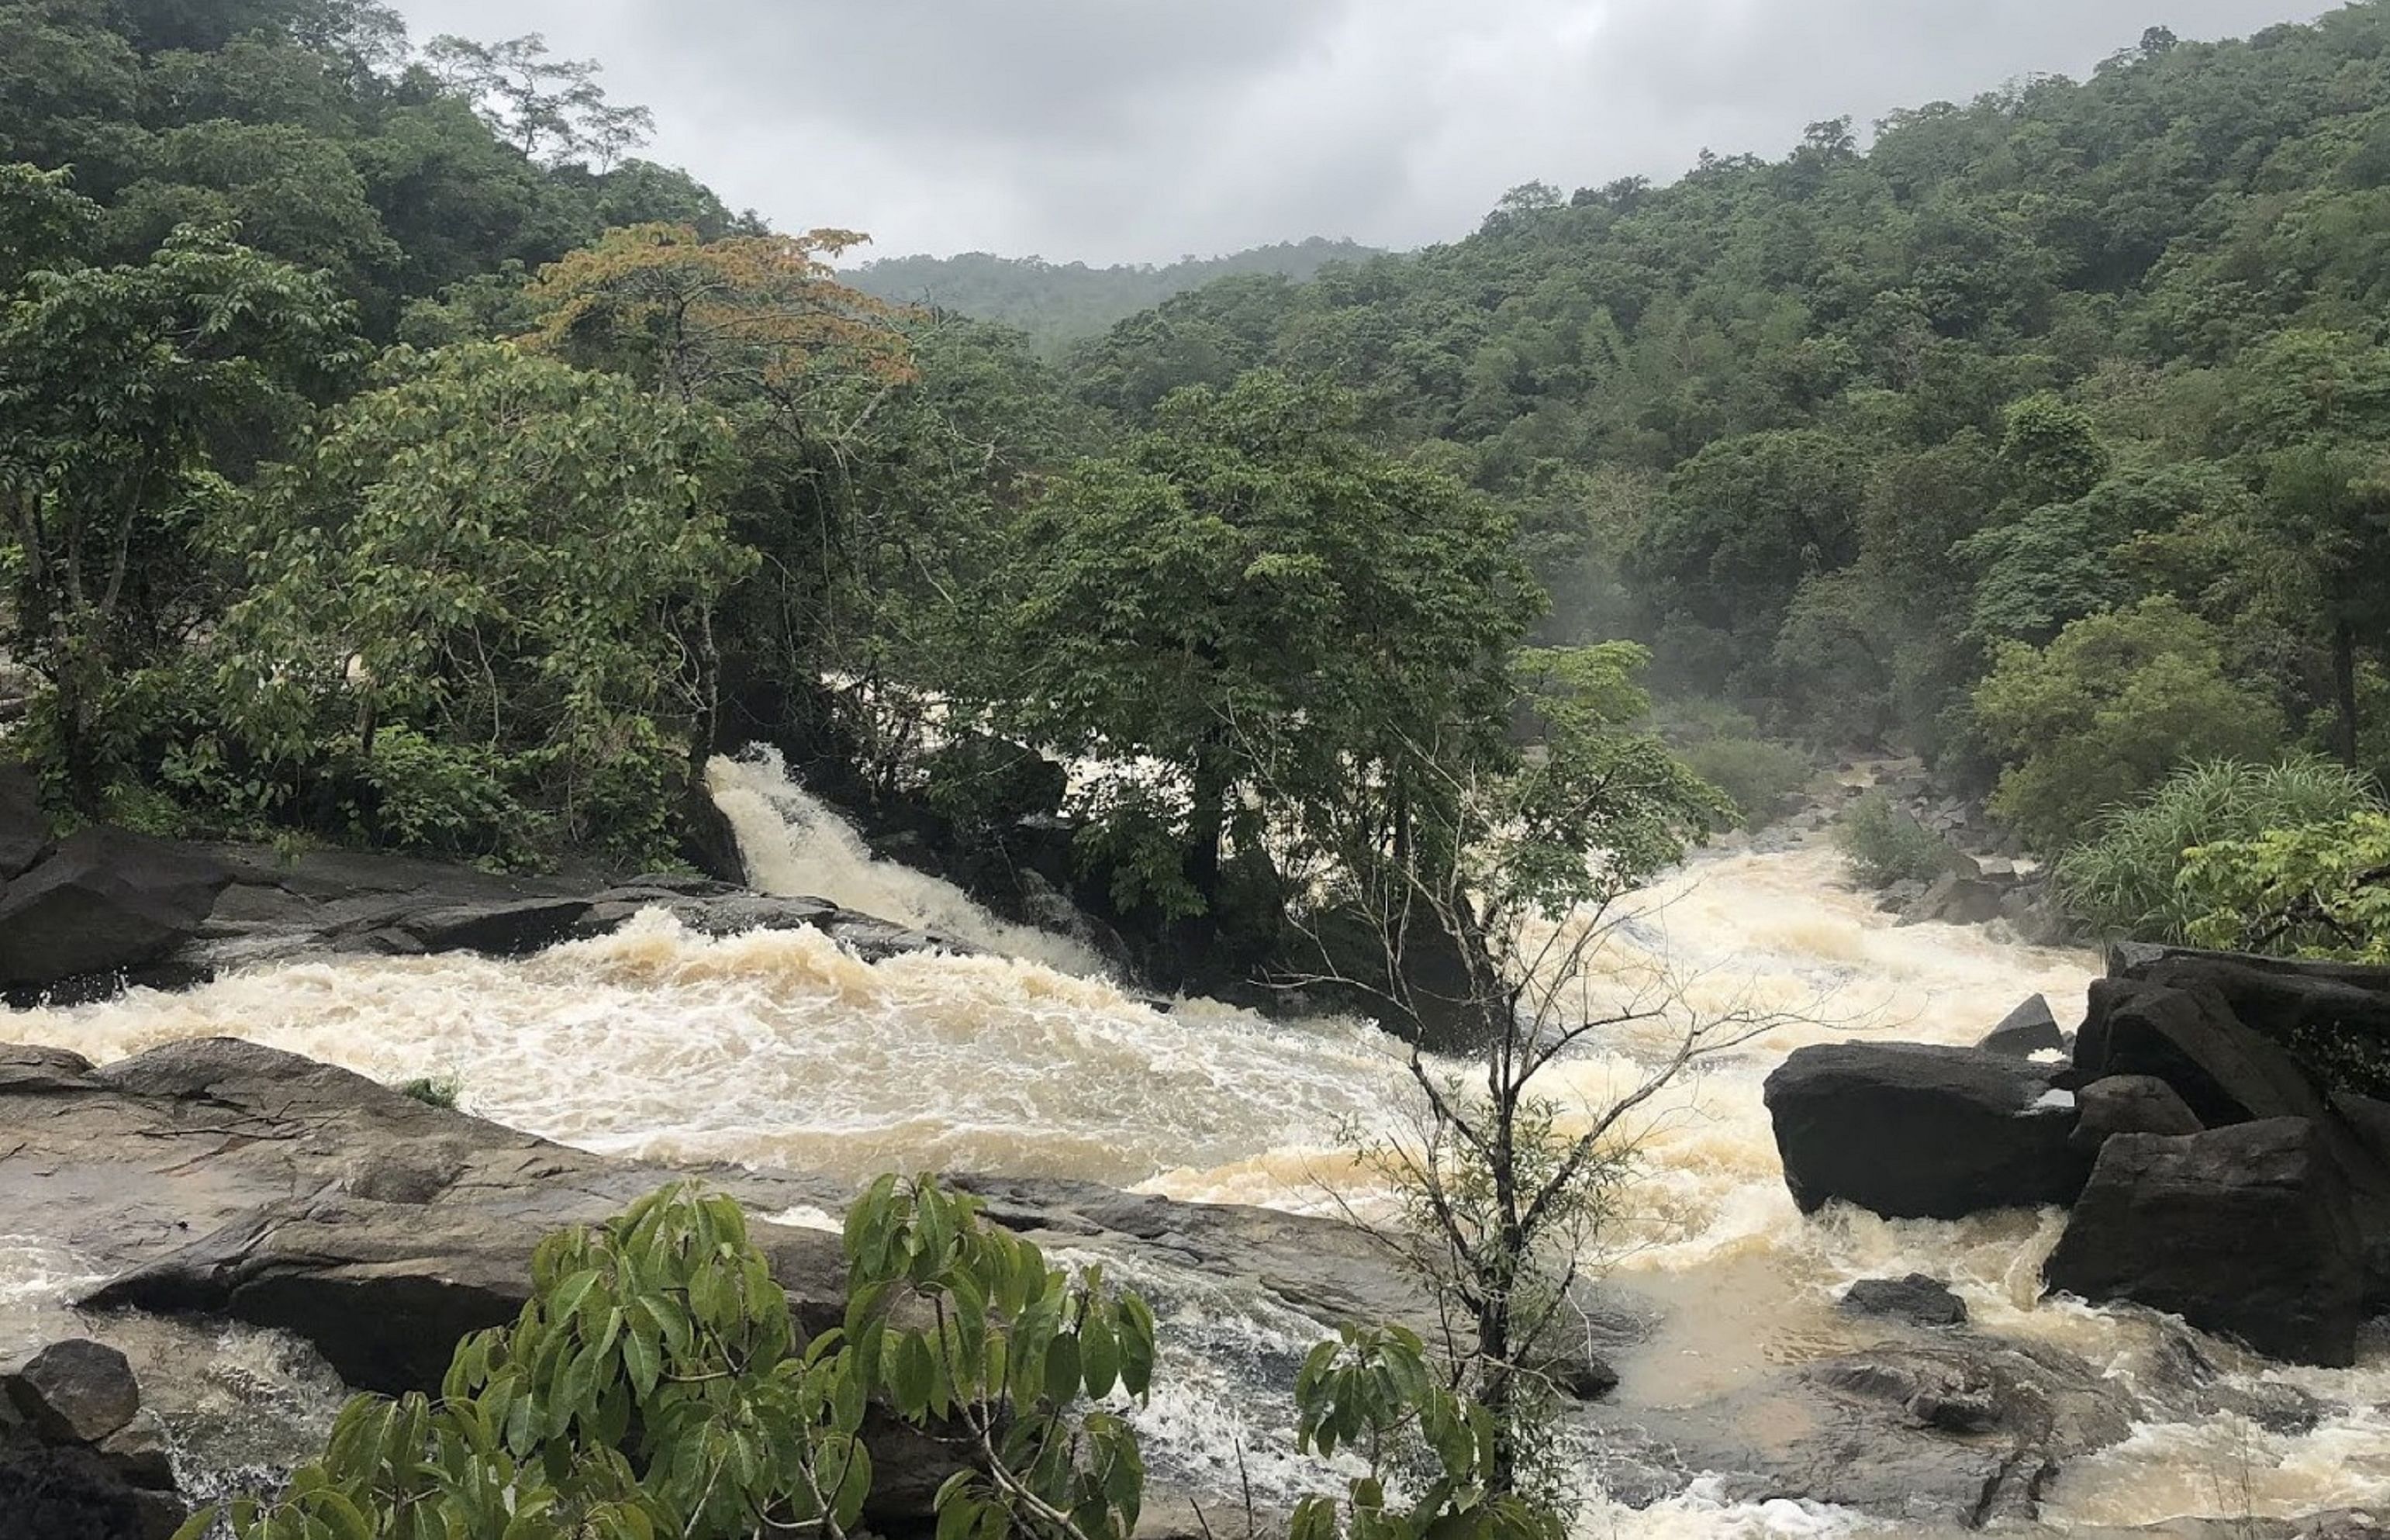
point(779, 1048)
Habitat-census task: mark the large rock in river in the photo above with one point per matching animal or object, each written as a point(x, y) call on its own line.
point(2244, 1231)
point(1918, 1132)
point(2190, 1037)
point(105, 901)
point(2029, 1030)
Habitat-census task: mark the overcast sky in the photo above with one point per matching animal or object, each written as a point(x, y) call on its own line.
point(1144, 130)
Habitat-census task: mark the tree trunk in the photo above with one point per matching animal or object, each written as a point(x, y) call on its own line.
point(2343, 688)
point(1205, 829)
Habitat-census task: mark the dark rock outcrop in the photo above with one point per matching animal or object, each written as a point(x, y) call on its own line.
point(1955, 898)
point(2295, 1003)
point(67, 1491)
point(78, 1458)
point(347, 902)
point(1919, 1300)
point(2129, 1104)
point(105, 901)
point(1913, 1131)
point(2243, 1231)
point(2026, 1030)
point(74, 1391)
point(2190, 1038)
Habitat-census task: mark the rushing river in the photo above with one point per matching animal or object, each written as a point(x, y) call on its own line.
point(779, 1048)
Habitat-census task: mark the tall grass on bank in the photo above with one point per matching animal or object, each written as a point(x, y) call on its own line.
point(2122, 882)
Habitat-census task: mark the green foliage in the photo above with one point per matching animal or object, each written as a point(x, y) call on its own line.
point(433, 1090)
point(1276, 616)
point(2128, 879)
point(1755, 774)
point(2318, 890)
point(2107, 711)
point(1428, 1454)
point(132, 392)
point(655, 1384)
point(2010, 318)
point(1883, 844)
point(477, 611)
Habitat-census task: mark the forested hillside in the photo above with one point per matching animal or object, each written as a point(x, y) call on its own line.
point(2045, 433)
point(1060, 303)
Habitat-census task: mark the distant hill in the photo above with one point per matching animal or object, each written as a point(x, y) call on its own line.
point(1060, 303)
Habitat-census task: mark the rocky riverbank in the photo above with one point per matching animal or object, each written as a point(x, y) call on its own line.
point(2219, 1163)
point(104, 909)
point(217, 1181)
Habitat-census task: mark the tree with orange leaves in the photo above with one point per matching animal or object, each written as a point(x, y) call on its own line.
point(744, 319)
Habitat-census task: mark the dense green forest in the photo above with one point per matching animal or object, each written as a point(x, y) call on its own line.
point(1058, 304)
point(394, 457)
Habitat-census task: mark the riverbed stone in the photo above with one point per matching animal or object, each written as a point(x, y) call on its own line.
point(2245, 1232)
point(1914, 1131)
point(1917, 1299)
point(2026, 1030)
point(1950, 1433)
point(105, 901)
point(74, 1391)
point(2129, 1104)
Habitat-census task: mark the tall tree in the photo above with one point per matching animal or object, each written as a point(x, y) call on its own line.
point(132, 394)
point(1278, 617)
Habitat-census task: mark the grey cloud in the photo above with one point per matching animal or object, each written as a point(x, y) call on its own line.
point(1115, 130)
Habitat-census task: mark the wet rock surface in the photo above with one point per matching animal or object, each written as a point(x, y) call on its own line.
point(350, 903)
point(2029, 1030)
point(79, 1457)
point(101, 902)
point(2246, 1232)
point(1913, 1131)
point(2129, 1104)
point(1919, 1300)
point(1956, 1432)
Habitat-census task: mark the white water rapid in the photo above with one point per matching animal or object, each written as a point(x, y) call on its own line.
point(779, 1048)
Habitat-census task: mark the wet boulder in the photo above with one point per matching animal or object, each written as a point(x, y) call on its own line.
point(1919, 1300)
point(105, 901)
point(2245, 1232)
point(78, 1458)
point(2129, 1104)
point(2026, 1030)
point(1947, 1434)
point(68, 1492)
point(2295, 1002)
point(75, 1392)
point(2190, 1038)
point(1913, 1131)
point(1955, 898)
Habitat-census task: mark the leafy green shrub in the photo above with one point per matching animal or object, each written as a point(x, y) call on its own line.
point(1372, 1392)
point(2129, 880)
point(2319, 891)
point(654, 1384)
point(1756, 774)
point(2111, 708)
point(433, 1090)
point(1881, 844)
